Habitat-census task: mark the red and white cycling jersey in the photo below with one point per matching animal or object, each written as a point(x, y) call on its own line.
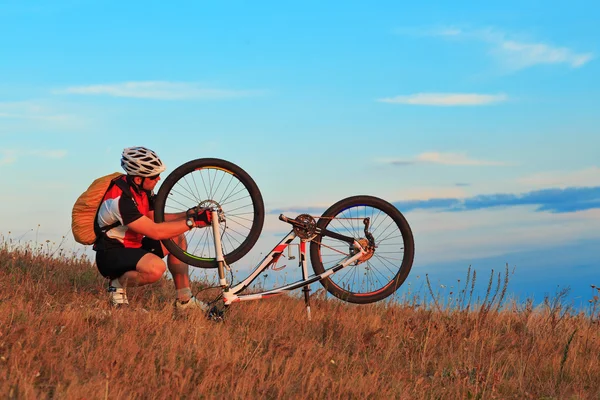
point(119, 206)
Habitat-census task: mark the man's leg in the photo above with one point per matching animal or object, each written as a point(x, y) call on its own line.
point(148, 269)
point(127, 268)
point(180, 271)
point(181, 279)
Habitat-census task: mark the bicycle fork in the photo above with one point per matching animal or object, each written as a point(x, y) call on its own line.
point(219, 250)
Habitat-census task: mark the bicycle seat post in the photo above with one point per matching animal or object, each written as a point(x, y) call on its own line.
point(220, 259)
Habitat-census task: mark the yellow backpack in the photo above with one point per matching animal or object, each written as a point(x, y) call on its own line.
point(86, 207)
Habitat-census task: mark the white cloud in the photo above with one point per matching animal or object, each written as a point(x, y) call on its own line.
point(55, 154)
point(427, 193)
point(10, 156)
point(7, 157)
point(449, 32)
point(454, 159)
point(552, 179)
point(446, 99)
point(420, 31)
point(520, 55)
point(515, 53)
point(160, 90)
point(29, 110)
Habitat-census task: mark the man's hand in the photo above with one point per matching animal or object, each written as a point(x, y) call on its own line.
point(201, 216)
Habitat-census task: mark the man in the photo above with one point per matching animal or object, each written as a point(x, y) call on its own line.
point(128, 249)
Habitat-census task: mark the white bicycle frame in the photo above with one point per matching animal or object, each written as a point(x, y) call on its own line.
point(231, 294)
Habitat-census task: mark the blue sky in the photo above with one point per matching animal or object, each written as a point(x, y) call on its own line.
point(478, 120)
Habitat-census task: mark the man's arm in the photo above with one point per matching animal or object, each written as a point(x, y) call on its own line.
point(163, 230)
point(169, 216)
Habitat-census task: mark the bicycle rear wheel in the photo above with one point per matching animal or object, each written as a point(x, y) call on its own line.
point(211, 182)
point(385, 267)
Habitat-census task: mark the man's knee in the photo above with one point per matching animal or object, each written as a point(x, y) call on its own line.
point(152, 266)
point(158, 270)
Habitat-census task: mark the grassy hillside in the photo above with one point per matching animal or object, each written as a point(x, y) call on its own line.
point(60, 339)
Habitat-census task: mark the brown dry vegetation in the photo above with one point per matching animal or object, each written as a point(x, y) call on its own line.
point(60, 339)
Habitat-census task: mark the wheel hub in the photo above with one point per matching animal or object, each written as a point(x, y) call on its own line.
point(370, 250)
point(213, 204)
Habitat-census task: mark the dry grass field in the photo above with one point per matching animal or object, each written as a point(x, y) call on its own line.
point(60, 339)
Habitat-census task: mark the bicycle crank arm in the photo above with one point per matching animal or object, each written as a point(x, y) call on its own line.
point(290, 221)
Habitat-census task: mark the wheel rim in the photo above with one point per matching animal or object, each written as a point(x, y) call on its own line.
point(378, 273)
point(223, 189)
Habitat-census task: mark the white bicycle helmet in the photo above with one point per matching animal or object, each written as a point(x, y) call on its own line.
point(140, 161)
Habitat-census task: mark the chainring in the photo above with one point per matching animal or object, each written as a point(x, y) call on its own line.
point(307, 231)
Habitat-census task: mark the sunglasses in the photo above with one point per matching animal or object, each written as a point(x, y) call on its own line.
point(153, 177)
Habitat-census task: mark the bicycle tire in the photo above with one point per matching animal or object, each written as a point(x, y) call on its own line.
point(383, 272)
point(225, 185)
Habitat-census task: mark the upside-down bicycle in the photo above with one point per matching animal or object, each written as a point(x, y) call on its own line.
point(361, 248)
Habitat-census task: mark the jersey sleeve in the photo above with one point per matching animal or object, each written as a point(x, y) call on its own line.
point(128, 210)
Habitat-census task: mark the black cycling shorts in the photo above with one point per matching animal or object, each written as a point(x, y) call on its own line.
point(115, 262)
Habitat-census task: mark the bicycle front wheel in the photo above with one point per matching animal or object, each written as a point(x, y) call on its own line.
point(383, 269)
point(212, 182)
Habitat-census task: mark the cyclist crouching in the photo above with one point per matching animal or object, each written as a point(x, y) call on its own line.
point(128, 249)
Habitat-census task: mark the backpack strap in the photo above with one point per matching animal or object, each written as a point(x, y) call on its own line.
point(124, 186)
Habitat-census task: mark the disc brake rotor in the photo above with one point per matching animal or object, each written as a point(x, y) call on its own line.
point(213, 204)
point(370, 250)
